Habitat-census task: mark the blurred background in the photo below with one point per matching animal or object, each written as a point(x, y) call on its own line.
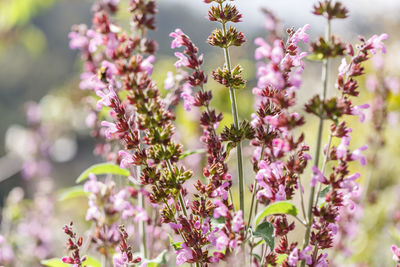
point(40, 75)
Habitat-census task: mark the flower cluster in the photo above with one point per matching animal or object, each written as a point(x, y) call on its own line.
point(279, 157)
point(74, 245)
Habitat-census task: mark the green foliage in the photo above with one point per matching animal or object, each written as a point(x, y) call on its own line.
point(102, 168)
point(71, 192)
point(55, 262)
point(265, 230)
point(160, 260)
point(277, 208)
point(192, 152)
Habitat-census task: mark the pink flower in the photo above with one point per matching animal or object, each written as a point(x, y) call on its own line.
point(126, 159)
point(280, 146)
point(356, 155)
point(293, 257)
point(92, 185)
point(221, 191)
point(147, 64)
point(357, 110)
point(392, 83)
point(318, 176)
point(304, 255)
point(111, 128)
point(178, 40)
point(106, 99)
point(377, 43)
point(77, 41)
point(268, 75)
point(343, 68)
point(220, 210)
point(169, 81)
point(281, 194)
point(277, 52)
point(175, 226)
point(184, 254)
point(341, 150)
point(263, 50)
point(237, 222)
point(350, 182)
point(96, 39)
point(300, 35)
point(183, 60)
point(396, 253)
point(188, 99)
point(120, 259)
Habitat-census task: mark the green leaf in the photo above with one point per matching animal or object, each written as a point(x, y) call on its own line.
point(161, 259)
point(265, 230)
point(191, 152)
point(321, 196)
point(176, 245)
point(56, 262)
point(315, 57)
point(277, 208)
point(102, 168)
point(90, 261)
point(71, 192)
point(281, 258)
point(257, 257)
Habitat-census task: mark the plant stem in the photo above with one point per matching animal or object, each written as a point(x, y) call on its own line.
point(142, 230)
point(325, 71)
point(236, 124)
point(142, 225)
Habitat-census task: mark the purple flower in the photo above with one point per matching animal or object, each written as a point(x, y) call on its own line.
point(392, 83)
point(341, 150)
point(356, 155)
point(96, 39)
point(300, 35)
point(120, 259)
point(357, 110)
point(221, 191)
point(175, 226)
point(126, 159)
point(169, 81)
point(237, 222)
point(350, 182)
point(396, 253)
point(184, 254)
point(188, 99)
point(220, 210)
point(293, 257)
point(178, 40)
point(77, 41)
point(111, 128)
point(281, 194)
point(106, 99)
point(263, 50)
point(304, 255)
point(183, 60)
point(147, 64)
point(318, 176)
point(377, 43)
point(92, 185)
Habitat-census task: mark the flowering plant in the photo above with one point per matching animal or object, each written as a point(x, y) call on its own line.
point(147, 201)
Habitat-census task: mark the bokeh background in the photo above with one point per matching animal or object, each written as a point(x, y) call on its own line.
point(37, 65)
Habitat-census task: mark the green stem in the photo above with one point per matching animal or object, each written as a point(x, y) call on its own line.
point(325, 71)
point(142, 225)
point(253, 197)
point(235, 115)
point(142, 230)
